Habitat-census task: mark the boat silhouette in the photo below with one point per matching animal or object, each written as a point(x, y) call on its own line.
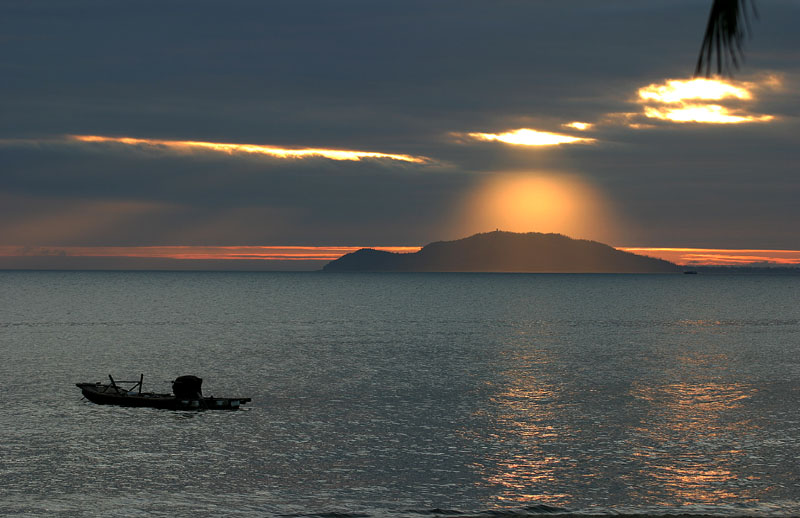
point(186, 395)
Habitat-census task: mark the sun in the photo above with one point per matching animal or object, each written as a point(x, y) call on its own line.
point(538, 202)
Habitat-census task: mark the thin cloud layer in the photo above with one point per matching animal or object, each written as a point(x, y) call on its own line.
point(188, 146)
point(195, 253)
point(716, 256)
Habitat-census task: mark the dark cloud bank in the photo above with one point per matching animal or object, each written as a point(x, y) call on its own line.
point(395, 77)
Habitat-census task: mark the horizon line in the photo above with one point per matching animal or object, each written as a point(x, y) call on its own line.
point(682, 256)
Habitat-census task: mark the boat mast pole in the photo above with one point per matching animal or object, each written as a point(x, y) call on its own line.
point(113, 385)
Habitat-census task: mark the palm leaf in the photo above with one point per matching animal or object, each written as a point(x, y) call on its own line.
point(728, 25)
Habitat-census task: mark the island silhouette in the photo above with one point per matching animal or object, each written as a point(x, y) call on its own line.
point(506, 252)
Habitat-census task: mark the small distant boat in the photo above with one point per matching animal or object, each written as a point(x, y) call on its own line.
point(186, 395)
point(690, 272)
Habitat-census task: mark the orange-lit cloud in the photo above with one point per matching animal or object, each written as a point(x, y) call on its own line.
point(677, 90)
point(187, 146)
point(681, 101)
point(580, 126)
point(704, 101)
point(530, 137)
point(717, 256)
point(537, 202)
point(711, 114)
point(263, 253)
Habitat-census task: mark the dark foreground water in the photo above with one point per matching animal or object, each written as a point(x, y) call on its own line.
point(403, 395)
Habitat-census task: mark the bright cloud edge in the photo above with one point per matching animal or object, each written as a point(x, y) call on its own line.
point(234, 148)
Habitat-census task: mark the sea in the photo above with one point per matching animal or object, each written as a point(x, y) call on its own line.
point(403, 395)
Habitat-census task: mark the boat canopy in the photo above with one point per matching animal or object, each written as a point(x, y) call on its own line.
point(187, 387)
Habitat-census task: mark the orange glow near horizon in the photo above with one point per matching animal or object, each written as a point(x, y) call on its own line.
point(706, 101)
point(253, 149)
point(537, 201)
point(530, 137)
point(681, 256)
point(720, 256)
point(260, 253)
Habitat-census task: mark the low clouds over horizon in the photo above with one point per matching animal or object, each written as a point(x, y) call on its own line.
point(403, 81)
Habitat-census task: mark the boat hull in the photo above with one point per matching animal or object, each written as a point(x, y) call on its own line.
point(109, 395)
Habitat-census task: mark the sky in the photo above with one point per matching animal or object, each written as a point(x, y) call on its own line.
point(278, 134)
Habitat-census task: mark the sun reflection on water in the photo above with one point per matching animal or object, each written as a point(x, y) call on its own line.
point(562, 428)
point(691, 444)
point(521, 468)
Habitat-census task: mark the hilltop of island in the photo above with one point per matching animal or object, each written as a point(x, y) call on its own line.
point(507, 252)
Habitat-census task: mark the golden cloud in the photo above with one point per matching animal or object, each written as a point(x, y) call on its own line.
point(580, 126)
point(676, 90)
point(530, 137)
point(253, 149)
point(704, 101)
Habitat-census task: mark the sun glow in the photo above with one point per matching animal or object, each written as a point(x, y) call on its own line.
point(530, 137)
point(537, 202)
point(707, 101)
point(187, 146)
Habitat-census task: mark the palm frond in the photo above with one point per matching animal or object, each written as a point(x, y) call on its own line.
point(728, 25)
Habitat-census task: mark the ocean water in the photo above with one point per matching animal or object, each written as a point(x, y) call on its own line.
point(394, 395)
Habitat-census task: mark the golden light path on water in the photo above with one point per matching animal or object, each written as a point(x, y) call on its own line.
point(253, 149)
point(691, 412)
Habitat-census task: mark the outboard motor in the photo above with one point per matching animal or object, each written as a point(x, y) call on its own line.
point(187, 387)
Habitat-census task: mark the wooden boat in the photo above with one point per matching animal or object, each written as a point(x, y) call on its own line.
point(186, 395)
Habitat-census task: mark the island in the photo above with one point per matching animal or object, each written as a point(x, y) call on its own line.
point(505, 252)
